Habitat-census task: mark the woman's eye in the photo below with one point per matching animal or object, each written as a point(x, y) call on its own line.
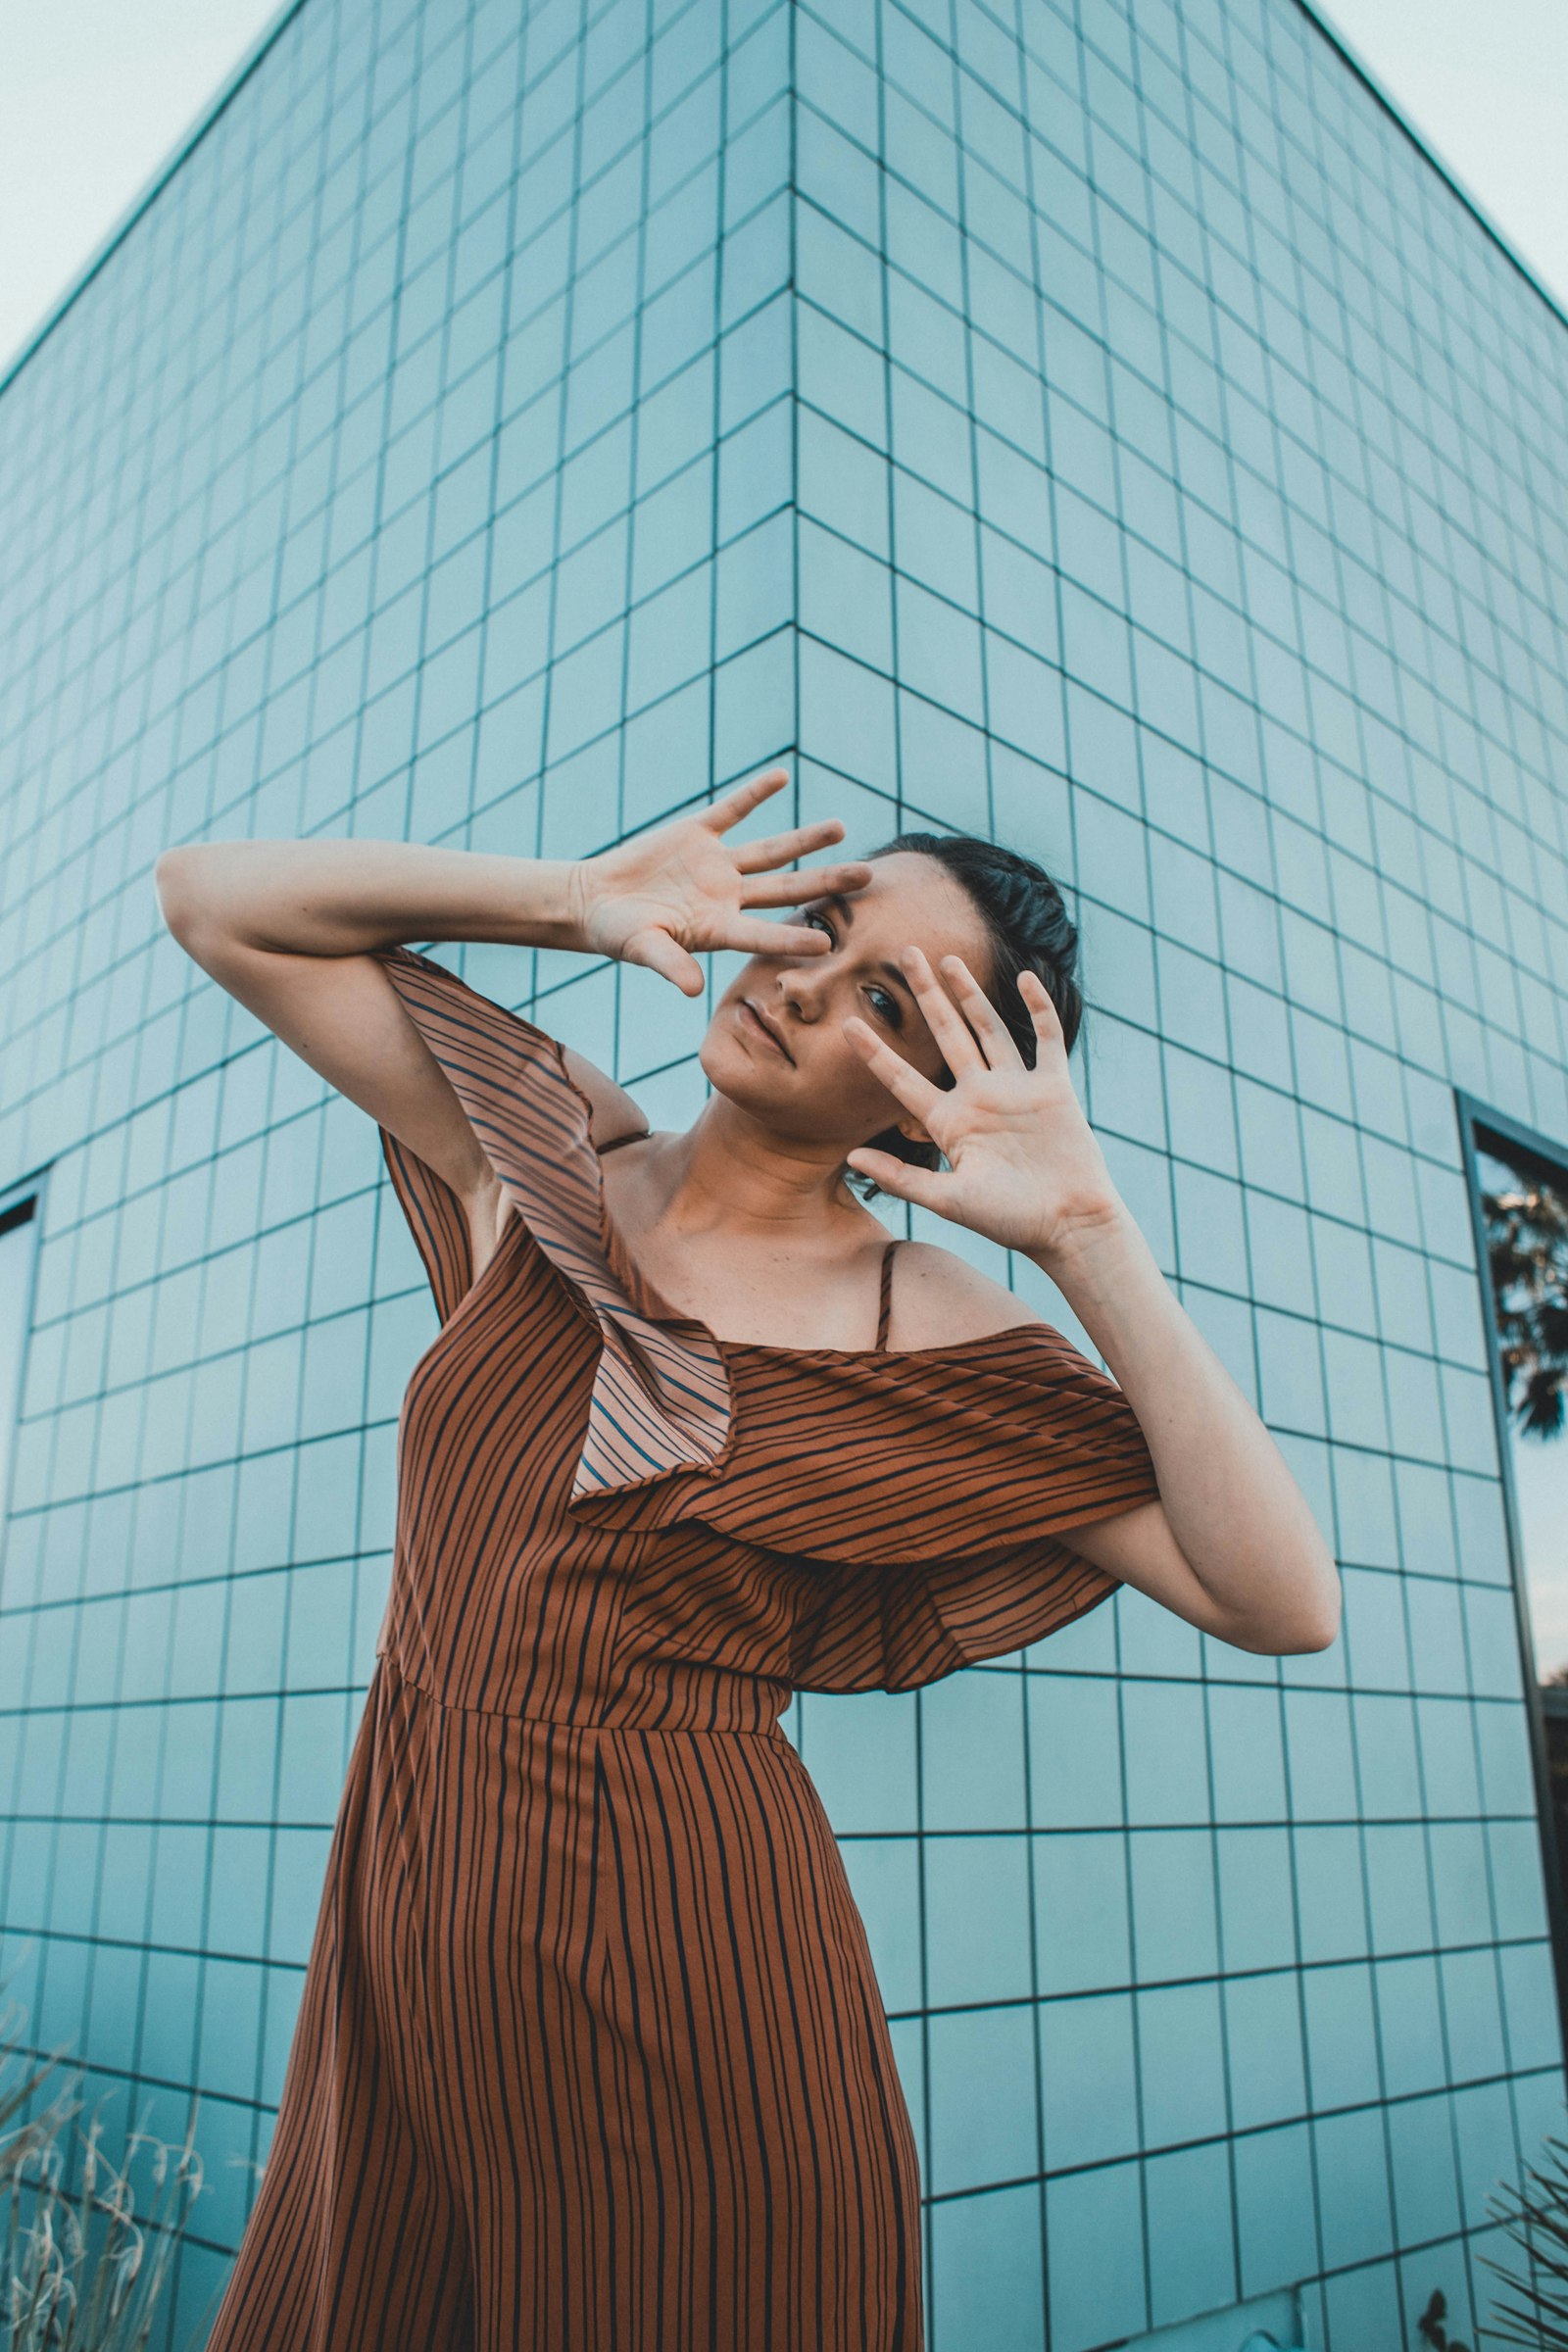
point(882, 1001)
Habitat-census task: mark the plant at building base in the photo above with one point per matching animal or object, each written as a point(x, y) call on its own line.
point(80, 2273)
point(1539, 2222)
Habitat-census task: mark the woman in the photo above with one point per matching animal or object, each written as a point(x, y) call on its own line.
point(590, 2051)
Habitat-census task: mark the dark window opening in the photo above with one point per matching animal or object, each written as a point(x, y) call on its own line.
point(18, 1234)
point(1520, 1193)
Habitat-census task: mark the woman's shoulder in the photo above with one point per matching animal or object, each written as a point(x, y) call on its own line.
point(617, 1118)
point(937, 1296)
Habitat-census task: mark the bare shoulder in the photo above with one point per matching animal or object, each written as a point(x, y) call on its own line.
point(615, 1115)
point(939, 1296)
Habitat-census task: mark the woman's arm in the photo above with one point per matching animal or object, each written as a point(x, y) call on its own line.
point(1232, 1544)
point(291, 929)
point(343, 898)
point(1236, 1513)
point(653, 900)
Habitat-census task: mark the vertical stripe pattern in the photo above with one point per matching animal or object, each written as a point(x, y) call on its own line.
point(590, 2055)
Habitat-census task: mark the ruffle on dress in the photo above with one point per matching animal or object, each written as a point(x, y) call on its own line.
point(930, 1486)
point(661, 1400)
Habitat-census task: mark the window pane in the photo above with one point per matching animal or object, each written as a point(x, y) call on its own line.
point(1525, 1207)
point(17, 1227)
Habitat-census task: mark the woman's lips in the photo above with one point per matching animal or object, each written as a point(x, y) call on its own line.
point(761, 1028)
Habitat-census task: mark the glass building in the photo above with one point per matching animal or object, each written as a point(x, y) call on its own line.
point(1102, 424)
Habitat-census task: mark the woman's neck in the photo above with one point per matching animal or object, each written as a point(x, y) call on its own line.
point(728, 1173)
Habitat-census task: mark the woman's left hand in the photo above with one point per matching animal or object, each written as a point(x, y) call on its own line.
point(1023, 1166)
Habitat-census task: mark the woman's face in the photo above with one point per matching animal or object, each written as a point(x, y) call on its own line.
point(776, 1045)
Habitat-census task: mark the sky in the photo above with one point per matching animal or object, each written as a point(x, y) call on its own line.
point(95, 94)
point(1485, 83)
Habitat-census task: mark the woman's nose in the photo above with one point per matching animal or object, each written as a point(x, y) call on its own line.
point(798, 993)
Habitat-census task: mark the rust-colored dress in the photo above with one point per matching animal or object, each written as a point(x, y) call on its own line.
point(590, 2055)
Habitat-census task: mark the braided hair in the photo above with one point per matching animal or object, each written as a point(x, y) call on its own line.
point(1029, 929)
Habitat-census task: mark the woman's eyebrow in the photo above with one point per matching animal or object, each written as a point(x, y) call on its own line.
point(845, 914)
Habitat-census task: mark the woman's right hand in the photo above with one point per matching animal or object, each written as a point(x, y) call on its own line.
point(664, 896)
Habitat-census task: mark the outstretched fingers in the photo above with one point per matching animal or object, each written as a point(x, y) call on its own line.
point(1042, 1010)
point(924, 1187)
point(788, 890)
point(900, 1078)
point(997, 1041)
point(946, 1024)
point(755, 937)
point(730, 806)
point(663, 953)
point(777, 849)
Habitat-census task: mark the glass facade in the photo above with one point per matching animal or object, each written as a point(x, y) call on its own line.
point(1099, 425)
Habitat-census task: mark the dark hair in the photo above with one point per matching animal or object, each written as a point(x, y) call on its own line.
point(1029, 929)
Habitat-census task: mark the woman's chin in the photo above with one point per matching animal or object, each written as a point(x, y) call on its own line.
point(754, 1087)
point(735, 1072)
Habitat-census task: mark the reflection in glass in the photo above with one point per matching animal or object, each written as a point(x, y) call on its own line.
point(1525, 1209)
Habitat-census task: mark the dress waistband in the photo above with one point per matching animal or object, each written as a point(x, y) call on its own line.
point(766, 1699)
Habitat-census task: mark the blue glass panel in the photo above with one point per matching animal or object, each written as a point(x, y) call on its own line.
point(1263, 2044)
point(1089, 2071)
point(972, 1752)
point(984, 2126)
point(1175, 1915)
point(1083, 1927)
point(883, 1874)
point(977, 1917)
point(1352, 2170)
point(1180, 2040)
point(1094, 2255)
point(987, 2283)
point(1341, 2034)
point(1276, 2236)
point(1192, 2253)
point(860, 1753)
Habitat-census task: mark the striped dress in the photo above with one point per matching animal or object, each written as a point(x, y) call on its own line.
point(590, 2055)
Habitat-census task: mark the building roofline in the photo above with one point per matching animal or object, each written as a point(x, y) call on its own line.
point(252, 58)
point(1313, 12)
point(183, 146)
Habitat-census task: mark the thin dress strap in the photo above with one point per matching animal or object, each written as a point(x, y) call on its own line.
point(886, 1307)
